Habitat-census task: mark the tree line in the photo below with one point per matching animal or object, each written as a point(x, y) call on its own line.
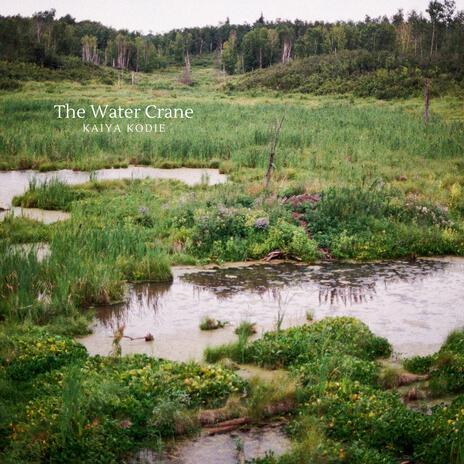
point(45, 40)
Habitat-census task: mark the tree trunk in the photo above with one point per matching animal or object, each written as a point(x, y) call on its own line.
point(426, 101)
point(433, 39)
point(186, 78)
point(272, 151)
point(287, 49)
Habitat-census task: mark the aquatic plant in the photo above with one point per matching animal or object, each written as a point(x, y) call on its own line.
point(245, 329)
point(208, 323)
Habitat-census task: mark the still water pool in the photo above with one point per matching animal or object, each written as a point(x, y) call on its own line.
point(413, 305)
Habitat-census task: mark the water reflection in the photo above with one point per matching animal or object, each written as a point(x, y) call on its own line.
point(143, 299)
point(347, 283)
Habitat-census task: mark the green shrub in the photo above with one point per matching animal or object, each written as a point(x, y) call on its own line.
point(446, 445)
point(235, 234)
point(101, 408)
point(454, 342)
point(419, 364)
point(337, 368)
point(298, 345)
point(446, 368)
point(378, 224)
point(34, 353)
point(359, 72)
point(447, 376)
point(377, 419)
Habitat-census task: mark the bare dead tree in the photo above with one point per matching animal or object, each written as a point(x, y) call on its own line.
point(426, 101)
point(287, 51)
point(272, 150)
point(186, 79)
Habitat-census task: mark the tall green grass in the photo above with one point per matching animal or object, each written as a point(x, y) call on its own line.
point(349, 141)
point(53, 194)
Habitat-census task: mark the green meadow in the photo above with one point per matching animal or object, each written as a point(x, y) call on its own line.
point(325, 141)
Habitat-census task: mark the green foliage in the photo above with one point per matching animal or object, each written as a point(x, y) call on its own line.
point(22, 230)
point(87, 265)
point(456, 201)
point(97, 409)
point(454, 342)
point(419, 364)
point(360, 72)
point(378, 419)
point(33, 353)
point(233, 351)
point(53, 195)
point(447, 443)
point(446, 368)
point(335, 336)
point(379, 224)
point(331, 368)
point(246, 329)
point(305, 344)
point(237, 234)
point(14, 73)
point(229, 55)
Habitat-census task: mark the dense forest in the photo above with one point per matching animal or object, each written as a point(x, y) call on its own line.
point(45, 40)
point(381, 57)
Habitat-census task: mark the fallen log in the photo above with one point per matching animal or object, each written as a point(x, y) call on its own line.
point(231, 422)
point(407, 379)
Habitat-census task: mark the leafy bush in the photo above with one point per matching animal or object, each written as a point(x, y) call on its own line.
point(447, 443)
point(291, 240)
point(448, 374)
point(419, 364)
point(360, 72)
point(378, 224)
point(236, 234)
point(99, 409)
point(446, 368)
point(34, 353)
point(67, 67)
point(378, 419)
point(308, 343)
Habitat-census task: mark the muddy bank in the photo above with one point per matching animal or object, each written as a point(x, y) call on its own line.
point(255, 443)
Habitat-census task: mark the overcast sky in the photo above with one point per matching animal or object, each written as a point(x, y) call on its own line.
point(163, 15)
